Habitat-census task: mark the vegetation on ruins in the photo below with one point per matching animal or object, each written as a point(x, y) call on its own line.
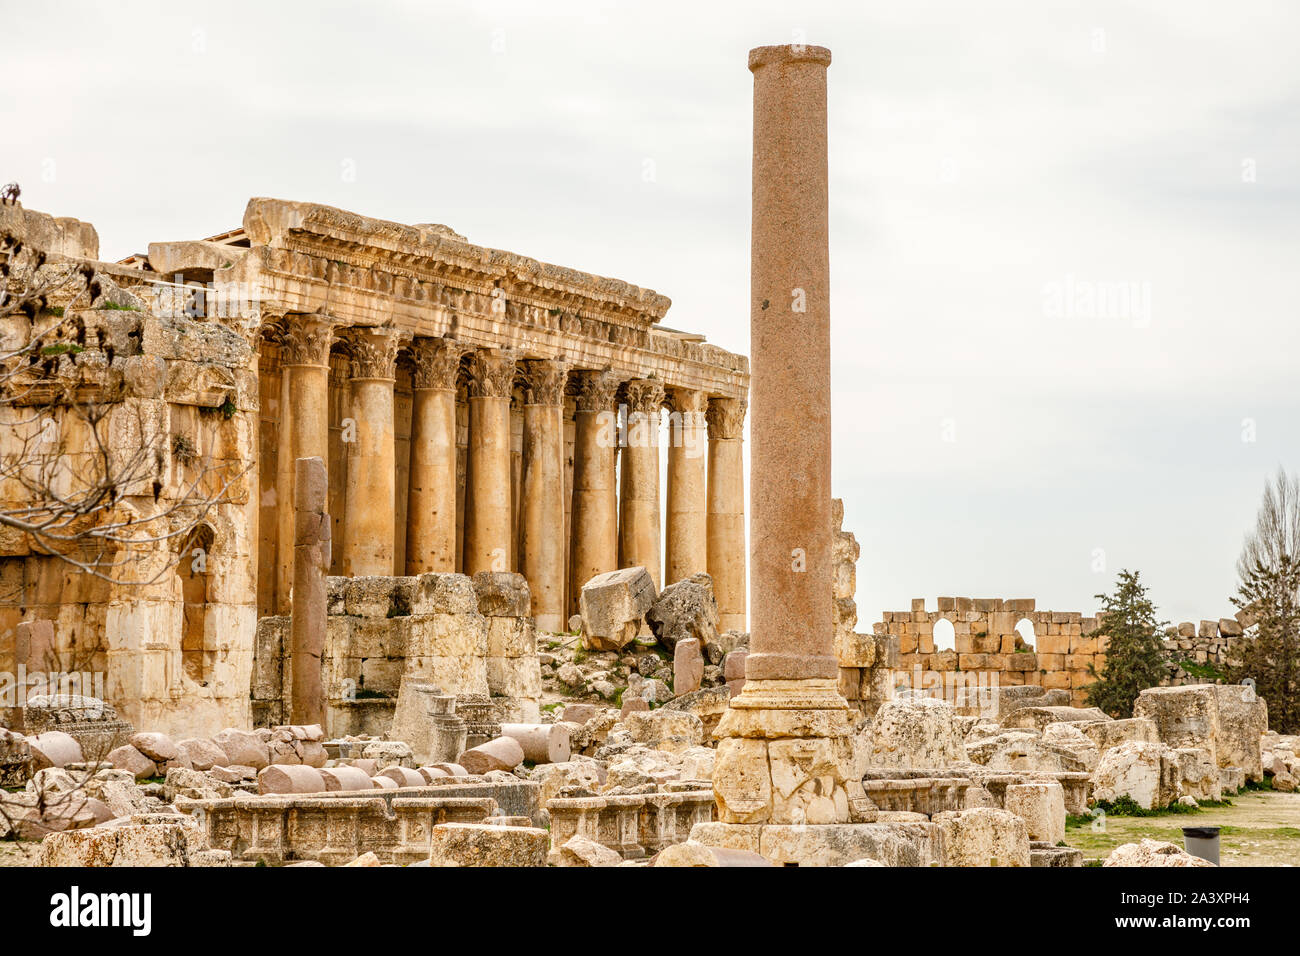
point(1135, 658)
point(81, 492)
point(1272, 658)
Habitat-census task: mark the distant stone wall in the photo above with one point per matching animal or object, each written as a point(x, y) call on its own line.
point(385, 634)
point(1062, 652)
point(1201, 653)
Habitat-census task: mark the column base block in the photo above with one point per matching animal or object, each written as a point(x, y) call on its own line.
point(785, 756)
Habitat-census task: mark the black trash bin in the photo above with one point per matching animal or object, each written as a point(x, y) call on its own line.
point(1202, 842)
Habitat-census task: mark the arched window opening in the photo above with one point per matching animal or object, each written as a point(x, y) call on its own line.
point(192, 568)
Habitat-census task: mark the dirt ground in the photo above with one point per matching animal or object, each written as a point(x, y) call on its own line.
point(1261, 828)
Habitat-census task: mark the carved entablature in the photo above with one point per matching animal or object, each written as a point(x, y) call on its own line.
point(596, 390)
point(372, 352)
point(726, 417)
point(429, 281)
point(435, 362)
point(645, 396)
point(544, 381)
point(305, 340)
point(492, 373)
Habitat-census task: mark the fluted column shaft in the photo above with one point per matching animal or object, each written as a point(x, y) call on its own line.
point(488, 525)
point(593, 521)
point(686, 534)
point(369, 533)
point(541, 532)
point(304, 428)
point(639, 501)
point(726, 510)
point(431, 493)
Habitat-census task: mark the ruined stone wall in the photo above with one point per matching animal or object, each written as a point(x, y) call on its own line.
point(384, 634)
point(865, 659)
point(171, 635)
point(1060, 653)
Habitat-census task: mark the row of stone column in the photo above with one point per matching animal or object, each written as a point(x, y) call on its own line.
point(705, 528)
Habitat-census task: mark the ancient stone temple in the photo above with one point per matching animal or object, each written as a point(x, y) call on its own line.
point(476, 410)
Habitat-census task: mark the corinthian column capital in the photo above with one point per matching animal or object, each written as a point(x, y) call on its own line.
point(596, 390)
point(436, 362)
point(726, 417)
point(372, 352)
point(545, 380)
point(306, 340)
point(690, 403)
point(492, 373)
point(645, 395)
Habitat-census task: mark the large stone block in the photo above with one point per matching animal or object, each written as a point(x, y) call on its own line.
point(1041, 806)
point(1243, 719)
point(474, 844)
point(1184, 716)
point(982, 836)
point(915, 732)
point(1037, 718)
point(612, 606)
point(685, 609)
point(503, 594)
point(1150, 774)
point(142, 845)
point(444, 594)
point(517, 677)
point(511, 637)
point(1152, 853)
point(1111, 733)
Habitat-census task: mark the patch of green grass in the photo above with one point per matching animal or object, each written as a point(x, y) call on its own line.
point(1126, 806)
point(115, 307)
point(552, 707)
point(1201, 671)
point(63, 348)
point(1265, 784)
point(580, 655)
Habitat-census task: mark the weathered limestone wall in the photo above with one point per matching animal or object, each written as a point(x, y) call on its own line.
point(172, 634)
point(384, 634)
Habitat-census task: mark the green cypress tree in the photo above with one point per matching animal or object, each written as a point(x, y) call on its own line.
point(1135, 655)
point(1271, 658)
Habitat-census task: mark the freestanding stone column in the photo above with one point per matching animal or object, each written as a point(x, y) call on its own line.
point(311, 562)
point(785, 754)
point(304, 425)
point(431, 499)
point(369, 529)
point(488, 526)
point(726, 510)
point(638, 517)
point(593, 521)
point(686, 533)
point(541, 531)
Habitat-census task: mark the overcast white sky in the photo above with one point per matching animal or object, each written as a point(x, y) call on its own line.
point(985, 158)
